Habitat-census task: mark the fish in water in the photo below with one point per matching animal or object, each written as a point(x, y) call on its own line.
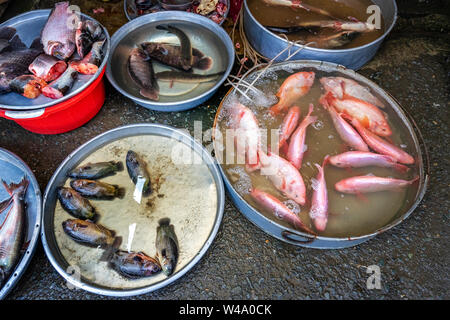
point(185, 58)
point(97, 170)
point(289, 124)
point(298, 4)
point(293, 88)
point(180, 76)
point(97, 189)
point(278, 209)
point(166, 246)
point(141, 71)
point(170, 54)
point(137, 170)
point(89, 233)
point(358, 159)
point(90, 63)
point(134, 265)
point(46, 67)
point(365, 184)
point(28, 86)
point(75, 204)
point(332, 41)
point(58, 37)
point(340, 25)
point(12, 230)
point(59, 87)
point(319, 201)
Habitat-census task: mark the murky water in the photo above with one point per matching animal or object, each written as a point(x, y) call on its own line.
point(349, 215)
point(280, 16)
point(182, 192)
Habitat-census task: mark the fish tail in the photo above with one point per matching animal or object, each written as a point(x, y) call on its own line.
point(204, 63)
point(13, 188)
point(119, 166)
point(120, 192)
point(164, 221)
point(111, 249)
point(150, 93)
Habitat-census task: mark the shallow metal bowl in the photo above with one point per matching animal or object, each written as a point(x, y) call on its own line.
point(292, 236)
point(29, 26)
point(126, 5)
point(75, 158)
point(204, 34)
point(270, 45)
point(13, 169)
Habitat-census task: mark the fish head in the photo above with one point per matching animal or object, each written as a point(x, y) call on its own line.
point(60, 50)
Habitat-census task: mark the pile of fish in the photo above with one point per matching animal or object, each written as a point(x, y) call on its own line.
point(345, 31)
point(84, 230)
point(12, 230)
point(183, 57)
point(362, 126)
point(212, 9)
point(51, 64)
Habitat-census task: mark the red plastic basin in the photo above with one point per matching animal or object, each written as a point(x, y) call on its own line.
point(65, 116)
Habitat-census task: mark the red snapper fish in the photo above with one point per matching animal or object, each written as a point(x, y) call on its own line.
point(359, 159)
point(289, 124)
point(365, 184)
point(293, 88)
point(319, 202)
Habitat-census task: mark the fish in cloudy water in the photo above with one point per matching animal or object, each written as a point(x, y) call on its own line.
point(97, 170)
point(166, 246)
point(133, 265)
point(89, 233)
point(13, 227)
point(141, 71)
point(97, 189)
point(185, 58)
point(75, 204)
point(58, 36)
point(137, 170)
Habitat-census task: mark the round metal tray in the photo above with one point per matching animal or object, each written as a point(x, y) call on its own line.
point(13, 169)
point(76, 157)
point(292, 236)
point(29, 26)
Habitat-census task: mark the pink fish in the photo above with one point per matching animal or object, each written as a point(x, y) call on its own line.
point(247, 135)
point(294, 87)
point(297, 143)
point(370, 116)
point(341, 87)
point(364, 184)
point(382, 146)
point(289, 124)
point(349, 135)
point(359, 159)
point(284, 176)
point(280, 210)
point(319, 202)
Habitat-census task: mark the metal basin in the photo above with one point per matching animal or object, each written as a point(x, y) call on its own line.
point(13, 169)
point(269, 44)
point(49, 240)
point(29, 26)
point(204, 34)
point(272, 226)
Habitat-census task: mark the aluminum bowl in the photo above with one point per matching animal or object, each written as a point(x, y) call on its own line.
point(295, 237)
point(205, 35)
point(29, 26)
point(12, 169)
point(270, 45)
point(130, 17)
point(75, 158)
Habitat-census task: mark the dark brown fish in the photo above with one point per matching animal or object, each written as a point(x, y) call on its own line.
point(137, 170)
point(134, 265)
point(58, 36)
point(97, 189)
point(28, 86)
point(88, 233)
point(334, 41)
point(185, 58)
point(83, 40)
point(46, 67)
point(90, 63)
point(58, 88)
point(75, 204)
point(97, 170)
point(170, 54)
point(12, 228)
point(187, 77)
point(141, 71)
point(166, 246)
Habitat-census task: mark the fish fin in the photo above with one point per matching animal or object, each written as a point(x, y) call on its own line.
point(361, 196)
point(164, 222)
point(120, 193)
point(151, 93)
point(401, 168)
point(119, 166)
point(5, 204)
point(36, 44)
point(204, 63)
point(16, 43)
point(111, 249)
point(12, 188)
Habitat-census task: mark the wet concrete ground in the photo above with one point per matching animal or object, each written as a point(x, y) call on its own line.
point(244, 262)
